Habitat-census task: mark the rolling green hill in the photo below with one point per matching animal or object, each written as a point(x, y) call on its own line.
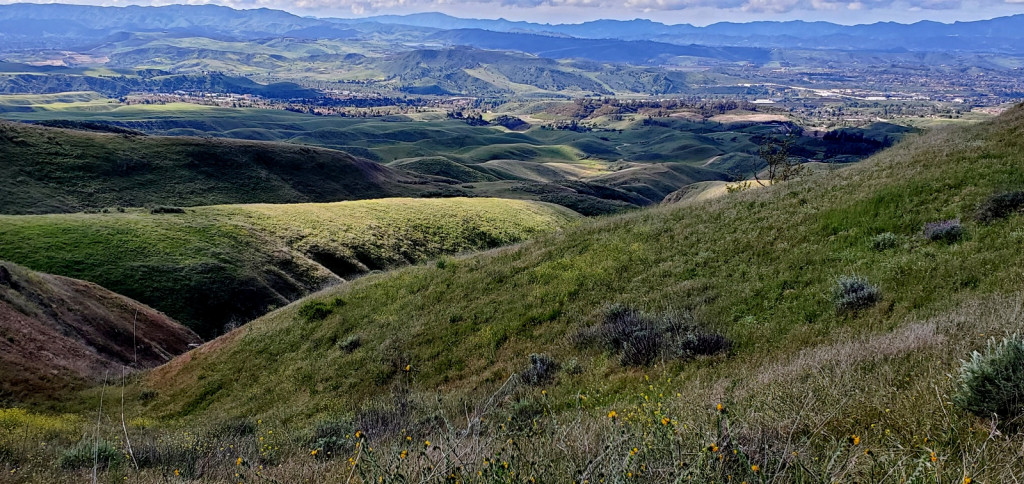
point(223, 265)
point(47, 170)
point(592, 172)
point(807, 391)
point(441, 166)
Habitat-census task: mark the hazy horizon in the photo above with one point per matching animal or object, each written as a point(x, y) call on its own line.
point(695, 12)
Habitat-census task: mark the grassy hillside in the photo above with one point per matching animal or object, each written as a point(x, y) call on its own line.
point(58, 335)
point(808, 392)
point(626, 164)
point(218, 265)
point(48, 170)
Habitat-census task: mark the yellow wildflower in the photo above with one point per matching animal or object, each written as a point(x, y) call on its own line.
point(238, 461)
point(755, 468)
point(612, 414)
point(665, 420)
point(313, 452)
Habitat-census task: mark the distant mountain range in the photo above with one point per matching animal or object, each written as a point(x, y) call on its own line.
point(25, 26)
point(995, 35)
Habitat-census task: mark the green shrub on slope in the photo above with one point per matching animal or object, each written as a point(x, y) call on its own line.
point(992, 382)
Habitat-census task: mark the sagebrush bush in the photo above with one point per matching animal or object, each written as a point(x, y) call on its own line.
point(640, 339)
point(948, 231)
point(1000, 206)
point(692, 343)
point(885, 241)
point(351, 343)
point(853, 293)
point(573, 367)
point(540, 371)
point(88, 452)
point(991, 383)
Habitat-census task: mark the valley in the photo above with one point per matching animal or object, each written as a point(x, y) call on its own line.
point(256, 246)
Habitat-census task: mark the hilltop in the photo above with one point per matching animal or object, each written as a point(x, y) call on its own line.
point(216, 266)
point(755, 267)
point(58, 335)
point(51, 170)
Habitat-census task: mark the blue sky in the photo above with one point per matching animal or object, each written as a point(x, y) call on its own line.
point(697, 12)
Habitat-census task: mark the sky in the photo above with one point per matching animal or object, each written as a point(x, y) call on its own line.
point(697, 12)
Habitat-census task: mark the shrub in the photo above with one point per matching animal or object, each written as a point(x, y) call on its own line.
point(948, 231)
point(1000, 206)
point(885, 241)
point(334, 436)
point(641, 339)
point(522, 412)
point(573, 367)
point(641, 347)
point(853, 293)
point(992, 383)
point(385, 417)
point(692, 343)
point(148, 395)
point(540, 371)
point(351, 343)
point(163, 209)
point(319, 310)
point(88, 452)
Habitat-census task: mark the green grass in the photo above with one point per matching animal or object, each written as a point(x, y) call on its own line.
point(219, 265)
point(441, 166)
point(426, 145)
point(758, 266)
point(85, 101)
point(51, 170)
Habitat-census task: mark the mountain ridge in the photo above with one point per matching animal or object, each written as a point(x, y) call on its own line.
point(22, 21)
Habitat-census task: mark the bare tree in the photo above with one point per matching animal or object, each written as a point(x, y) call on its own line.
point(781, 167)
